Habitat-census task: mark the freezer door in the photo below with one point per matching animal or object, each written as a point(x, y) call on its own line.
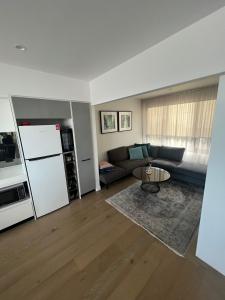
point(39, 141)
point(48, 184)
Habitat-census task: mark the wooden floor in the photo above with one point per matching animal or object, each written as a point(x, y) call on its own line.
point(88, 250)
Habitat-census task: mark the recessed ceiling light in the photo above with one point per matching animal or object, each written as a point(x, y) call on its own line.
point(21, 47)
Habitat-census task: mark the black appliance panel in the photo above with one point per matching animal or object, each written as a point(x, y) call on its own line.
point(67, 139)
point(12, 195)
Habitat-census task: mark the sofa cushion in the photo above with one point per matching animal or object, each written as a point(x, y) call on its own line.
point(118, 154)
point(165, 164)
point(130, 165)
point(154, 151)
point(192, 169)
point(148, 146)
point(171, 153)
point(136, 153)
point(112, 176)
point(198, 181)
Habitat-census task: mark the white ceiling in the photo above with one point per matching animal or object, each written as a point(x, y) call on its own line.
point(85, 38)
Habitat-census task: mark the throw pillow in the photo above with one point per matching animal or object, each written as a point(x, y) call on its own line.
point(136, 153)
point(149, 149)
point(105, 164)
point(145, 151)
point(105, 167)
point(148, 146)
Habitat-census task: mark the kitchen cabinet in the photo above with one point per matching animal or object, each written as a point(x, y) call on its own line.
point(6, 116)
point(84, 145)
point(16, 213)
point(12, 175)
point(32, 108)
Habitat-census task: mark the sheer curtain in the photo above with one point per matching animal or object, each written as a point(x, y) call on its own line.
point(183, 119)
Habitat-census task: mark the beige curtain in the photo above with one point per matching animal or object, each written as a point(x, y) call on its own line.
point(182, 119)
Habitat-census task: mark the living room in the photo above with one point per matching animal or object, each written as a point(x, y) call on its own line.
point(165, 144)
point(138, 88)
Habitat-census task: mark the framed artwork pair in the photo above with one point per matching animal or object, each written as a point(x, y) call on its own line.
point(113, 121)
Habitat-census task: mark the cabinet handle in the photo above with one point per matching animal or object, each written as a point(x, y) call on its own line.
point(86, 159)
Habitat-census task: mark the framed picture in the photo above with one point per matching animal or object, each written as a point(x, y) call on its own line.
point(125, 120)
point(109, 121)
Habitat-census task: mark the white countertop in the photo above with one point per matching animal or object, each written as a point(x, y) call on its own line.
point(12, 175)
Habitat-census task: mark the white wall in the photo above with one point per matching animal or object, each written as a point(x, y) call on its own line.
point(211, 239)
point(6, 116)
point(26, 82)
point(195, 52)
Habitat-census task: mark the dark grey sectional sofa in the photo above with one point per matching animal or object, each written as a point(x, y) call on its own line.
point(168, 158)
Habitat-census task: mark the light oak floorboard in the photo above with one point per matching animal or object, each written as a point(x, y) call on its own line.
point(88, 250)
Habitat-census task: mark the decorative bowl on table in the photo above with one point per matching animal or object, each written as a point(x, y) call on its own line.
point(148, 170)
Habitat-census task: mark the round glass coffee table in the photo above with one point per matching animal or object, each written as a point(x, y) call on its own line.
point(151, 177)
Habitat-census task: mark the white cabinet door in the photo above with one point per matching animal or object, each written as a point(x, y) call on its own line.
point(15, 213)
point(84, 145)
point(6, 116)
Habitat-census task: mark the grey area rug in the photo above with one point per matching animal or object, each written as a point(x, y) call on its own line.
point(172, 215)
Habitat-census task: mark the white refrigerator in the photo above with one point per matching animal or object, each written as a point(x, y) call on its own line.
point(42, 150)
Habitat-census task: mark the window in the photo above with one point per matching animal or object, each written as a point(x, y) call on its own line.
point(186, 123)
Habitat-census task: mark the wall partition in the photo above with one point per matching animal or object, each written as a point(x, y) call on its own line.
point(211, 238)
point(182, 119)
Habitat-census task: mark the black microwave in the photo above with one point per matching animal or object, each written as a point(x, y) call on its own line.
point(12, 194)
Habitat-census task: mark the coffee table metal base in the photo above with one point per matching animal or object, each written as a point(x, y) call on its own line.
point(151, 187)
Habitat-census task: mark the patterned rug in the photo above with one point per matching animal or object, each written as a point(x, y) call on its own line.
point(172, 215)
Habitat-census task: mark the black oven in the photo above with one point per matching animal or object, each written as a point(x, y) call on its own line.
point(12, 194)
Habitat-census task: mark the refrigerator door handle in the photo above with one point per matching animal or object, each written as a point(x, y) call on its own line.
point(86, 159)
point(44, 157)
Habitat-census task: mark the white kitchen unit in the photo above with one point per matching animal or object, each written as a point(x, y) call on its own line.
point(6, 116)
point(73, 114)
point(12, 176)
point(84, 146)
point(18, 211)
point(15, 213)
point(45, 167)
